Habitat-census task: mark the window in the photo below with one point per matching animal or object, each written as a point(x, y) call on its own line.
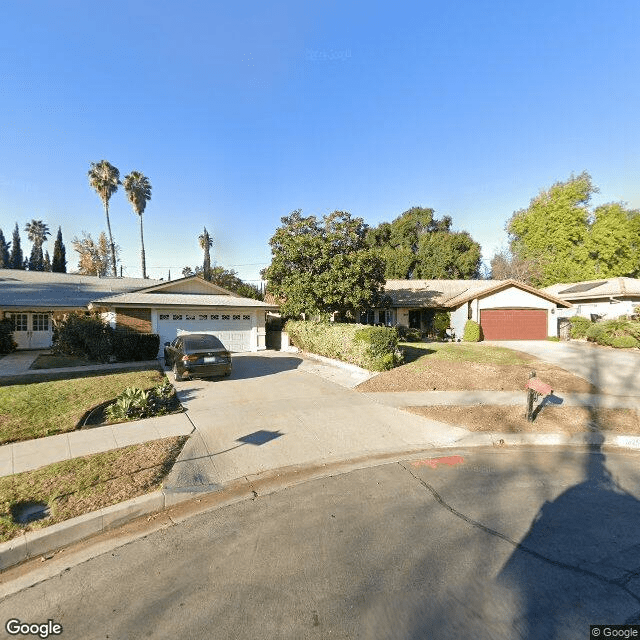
point(246, 317)
point(215, 316)
point(225, 317)
point(164, 316)
point(177, 316)
point(190, 317)
point(40, 321)
point(236, 317)
point(202, 316)
point(20, 322)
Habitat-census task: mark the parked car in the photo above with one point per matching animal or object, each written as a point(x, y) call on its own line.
point(197, 354)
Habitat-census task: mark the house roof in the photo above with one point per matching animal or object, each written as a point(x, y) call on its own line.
point(594, 289)
point(449, 294)
point(47, 290)
point(190, 284)
point(144, 299)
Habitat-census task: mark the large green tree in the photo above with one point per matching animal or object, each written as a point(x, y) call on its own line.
point(105, 179)
point(37, 232)
point(59, 263)
point(16, 259)
point(418, 245)
point(4, 252)
point(569, 241)
point(318, 267)
point(138, 189)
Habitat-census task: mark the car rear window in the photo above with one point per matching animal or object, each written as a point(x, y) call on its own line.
point(195, 343)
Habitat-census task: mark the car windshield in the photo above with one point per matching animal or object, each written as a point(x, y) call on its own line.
point(202, 342)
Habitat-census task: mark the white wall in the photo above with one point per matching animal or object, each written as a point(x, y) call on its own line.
point(606, 309)
point(459, 319)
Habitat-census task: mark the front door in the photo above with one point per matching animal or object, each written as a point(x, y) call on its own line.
point(32, 330)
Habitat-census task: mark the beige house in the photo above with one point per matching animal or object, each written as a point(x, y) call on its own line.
point(36, 300)
point(505, 309)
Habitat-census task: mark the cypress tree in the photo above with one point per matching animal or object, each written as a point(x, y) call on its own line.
point(16, 259)
point(59, 264)
point(36, 259)
point(47, 262)
point(4, 252)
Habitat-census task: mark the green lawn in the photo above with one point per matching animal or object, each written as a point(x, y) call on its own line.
point(41, 409)
point(75, 487)
point(421, 353)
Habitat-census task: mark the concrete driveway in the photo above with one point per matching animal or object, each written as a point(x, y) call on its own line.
point(273, 412)
point(614, 371)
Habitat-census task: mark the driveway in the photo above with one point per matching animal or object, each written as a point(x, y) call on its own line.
point(614, 371)
point(273, 412)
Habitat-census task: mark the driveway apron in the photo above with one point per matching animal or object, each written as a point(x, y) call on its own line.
point(614, 371)
point(272, 414)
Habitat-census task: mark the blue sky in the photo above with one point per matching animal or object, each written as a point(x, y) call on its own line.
point(240, 113)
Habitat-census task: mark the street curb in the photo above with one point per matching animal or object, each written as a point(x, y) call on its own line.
point(49, 539)
point(353, 368)
point(53, 538)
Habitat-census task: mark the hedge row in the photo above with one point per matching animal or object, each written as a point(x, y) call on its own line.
point(373, 348)
point(619, 333)
point(93, 338)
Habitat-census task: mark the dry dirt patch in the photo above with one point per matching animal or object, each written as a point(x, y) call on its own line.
point(442, 375)
point(551, 419)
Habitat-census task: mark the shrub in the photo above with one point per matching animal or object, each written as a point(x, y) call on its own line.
point(579, 326)
point(7, 343)
point(91, 337)
point(80, 335)
point(128, 345)
point(134, 403)
point(624, 342)
point(599, 332)
point(441, 322)
point(374, 348)
point(472, 331)
point(409, 335)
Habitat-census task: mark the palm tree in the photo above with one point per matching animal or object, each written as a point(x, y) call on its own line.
point(138, 190)
point(37, 232)
point(206, 242)
point(105, 178)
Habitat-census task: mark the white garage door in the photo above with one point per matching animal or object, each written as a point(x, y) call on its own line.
point(233, 329)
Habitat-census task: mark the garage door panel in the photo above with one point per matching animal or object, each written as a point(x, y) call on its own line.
point(233, 330)
point(514, 324)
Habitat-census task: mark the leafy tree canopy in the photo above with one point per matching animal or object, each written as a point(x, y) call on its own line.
point(318, 267)
point(569, 241)
point(416, 245)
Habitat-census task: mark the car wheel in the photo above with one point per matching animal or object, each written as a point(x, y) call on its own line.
point(176, 373)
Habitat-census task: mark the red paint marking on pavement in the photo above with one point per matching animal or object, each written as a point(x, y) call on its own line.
point(434, 462)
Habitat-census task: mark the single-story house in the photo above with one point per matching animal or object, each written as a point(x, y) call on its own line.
point(505, 309)
point(36, 300)
point(604, 298)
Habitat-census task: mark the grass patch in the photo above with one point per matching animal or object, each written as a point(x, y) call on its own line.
point(75, 487)
point(42, 409)
point(424, 352)
point(51, 361)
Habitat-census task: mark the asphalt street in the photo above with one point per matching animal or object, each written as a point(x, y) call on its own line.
point(534, 544)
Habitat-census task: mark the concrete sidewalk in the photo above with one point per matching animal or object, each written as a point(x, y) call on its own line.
point(32, 454)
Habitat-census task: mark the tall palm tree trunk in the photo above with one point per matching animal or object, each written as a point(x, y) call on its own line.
point(113, 249)
point(144, 265)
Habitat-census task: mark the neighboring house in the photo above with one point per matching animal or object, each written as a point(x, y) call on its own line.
point(37, 300)
point(505, 309)
point(604, 298)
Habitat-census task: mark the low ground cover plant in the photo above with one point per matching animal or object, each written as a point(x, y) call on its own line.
point(135, 403)
point(373, 348)
point(75, 487)
point(91, 337)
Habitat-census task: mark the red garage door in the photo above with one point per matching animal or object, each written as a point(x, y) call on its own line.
point(514, 324)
